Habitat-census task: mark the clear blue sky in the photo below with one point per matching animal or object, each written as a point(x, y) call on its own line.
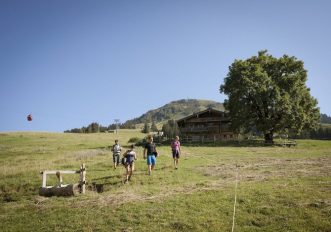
point(70, 63)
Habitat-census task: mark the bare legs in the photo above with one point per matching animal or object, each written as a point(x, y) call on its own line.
point(176, 163)
point(129, 170)
point(116, 160)
point(150, 168)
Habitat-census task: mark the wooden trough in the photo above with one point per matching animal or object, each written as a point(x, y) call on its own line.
point(63, 189)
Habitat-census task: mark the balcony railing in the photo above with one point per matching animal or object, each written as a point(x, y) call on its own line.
point(209, 129)
point(209, 119)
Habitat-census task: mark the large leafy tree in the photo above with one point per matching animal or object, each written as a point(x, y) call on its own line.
point(270, 95)
point(94, 127)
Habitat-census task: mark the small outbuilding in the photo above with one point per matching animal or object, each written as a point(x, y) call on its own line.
point(209, 125)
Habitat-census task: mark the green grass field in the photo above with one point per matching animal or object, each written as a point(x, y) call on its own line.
point(279, 189)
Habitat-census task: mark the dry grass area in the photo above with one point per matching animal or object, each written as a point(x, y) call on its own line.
point(271, 168)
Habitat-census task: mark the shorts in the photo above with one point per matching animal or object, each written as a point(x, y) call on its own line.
point(175, 154)
point(129, 161)
point(116, 158)
point(151, 160)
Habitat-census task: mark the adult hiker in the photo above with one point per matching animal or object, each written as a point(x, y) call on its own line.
point(116, 149)
point(150, 153)
point(175, 148)
point(130, 156)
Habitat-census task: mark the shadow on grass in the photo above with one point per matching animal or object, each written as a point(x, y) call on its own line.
point(108, 148)
point(106, 178)
point(105, 183)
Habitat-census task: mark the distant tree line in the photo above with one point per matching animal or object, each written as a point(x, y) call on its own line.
point(321, 133)
point(325, 119)
point(170, 129)
point(95, 127)
point(149, 128)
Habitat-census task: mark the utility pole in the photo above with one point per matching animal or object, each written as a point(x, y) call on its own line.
point(117, 121)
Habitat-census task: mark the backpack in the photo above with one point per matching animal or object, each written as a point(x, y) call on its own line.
point(123, 161)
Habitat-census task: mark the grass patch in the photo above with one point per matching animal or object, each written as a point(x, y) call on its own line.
point(280, 189)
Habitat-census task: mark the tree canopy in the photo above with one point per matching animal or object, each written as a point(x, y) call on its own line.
point(270, 95)
point(154, 127)
point(170, 129)
point(146, 128)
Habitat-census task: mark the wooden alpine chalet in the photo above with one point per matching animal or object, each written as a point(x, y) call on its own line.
point(209, 125)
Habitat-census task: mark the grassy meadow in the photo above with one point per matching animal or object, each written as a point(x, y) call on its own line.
point(279, 189)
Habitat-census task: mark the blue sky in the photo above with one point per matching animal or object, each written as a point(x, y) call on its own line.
point(70, 63)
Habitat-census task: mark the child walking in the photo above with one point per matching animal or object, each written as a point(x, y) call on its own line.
point(130, 156)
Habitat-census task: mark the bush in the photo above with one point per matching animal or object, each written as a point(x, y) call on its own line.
point(134, 140)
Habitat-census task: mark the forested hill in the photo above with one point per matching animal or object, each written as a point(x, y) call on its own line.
point(181, 108)
point(176, 110)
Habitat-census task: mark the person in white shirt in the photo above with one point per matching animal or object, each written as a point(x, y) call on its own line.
point(116, 149)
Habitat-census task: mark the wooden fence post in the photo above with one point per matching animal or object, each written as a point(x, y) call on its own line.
point(82, 177)
point(59, 176)
point(44, 179)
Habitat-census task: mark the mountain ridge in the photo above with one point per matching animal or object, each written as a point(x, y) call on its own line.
point(176, 110)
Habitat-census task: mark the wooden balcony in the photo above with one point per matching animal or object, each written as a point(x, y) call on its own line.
point(207, 130)
point(209, 119)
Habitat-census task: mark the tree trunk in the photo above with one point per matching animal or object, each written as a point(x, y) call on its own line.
point(65, 191)
point(269, 138)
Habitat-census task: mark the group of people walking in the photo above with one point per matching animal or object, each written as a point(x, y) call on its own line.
point(150, 153)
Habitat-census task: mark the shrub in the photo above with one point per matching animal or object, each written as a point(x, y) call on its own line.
point(134, 140)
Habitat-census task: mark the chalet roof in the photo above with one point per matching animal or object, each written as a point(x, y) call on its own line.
point(195, 115)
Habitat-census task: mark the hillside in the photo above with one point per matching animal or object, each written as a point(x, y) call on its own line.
point(176, 110)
